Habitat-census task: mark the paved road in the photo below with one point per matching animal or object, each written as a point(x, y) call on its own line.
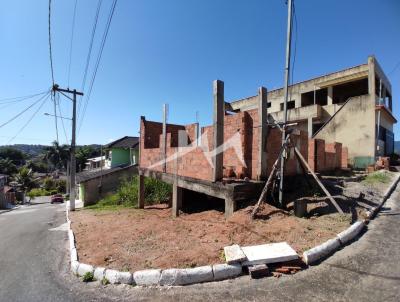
point(34, 267)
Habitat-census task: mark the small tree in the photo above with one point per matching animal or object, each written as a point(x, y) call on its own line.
point(7, 167)
point(25, 179)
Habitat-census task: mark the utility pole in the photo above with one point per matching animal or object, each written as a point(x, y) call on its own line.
point(285, 95)
point(73, 142)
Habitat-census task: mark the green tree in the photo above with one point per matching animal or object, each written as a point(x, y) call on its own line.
point(82, 155)
point(25, 179)
point(7, 166)
point(58, 155)
point(16, 156)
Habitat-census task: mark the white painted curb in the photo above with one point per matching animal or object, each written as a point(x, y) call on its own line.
point(186, 276)
point(321, 251)
point(226, 271)
point(351, 232)
point(147, 277)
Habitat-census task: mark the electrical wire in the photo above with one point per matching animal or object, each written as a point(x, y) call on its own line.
point(50, 52)
point(20, 98)
point(23, 111)
point(62, 120)
point(105, 34)
point(70, 44)
point(394, 69)
point(30, 119)
point(89, 53)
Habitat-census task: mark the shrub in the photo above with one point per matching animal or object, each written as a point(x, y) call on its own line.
point(38, 192)
point(88, 277)
point(377, 177)
point(127, 194)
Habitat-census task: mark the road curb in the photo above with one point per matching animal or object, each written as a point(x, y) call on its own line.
point(327, 248)
point(209, 273)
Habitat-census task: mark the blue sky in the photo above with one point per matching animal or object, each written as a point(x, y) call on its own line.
point(170, 52)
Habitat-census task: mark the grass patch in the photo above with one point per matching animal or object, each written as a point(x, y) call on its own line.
point(88, 277)
point(377, 177)
point(127, 195)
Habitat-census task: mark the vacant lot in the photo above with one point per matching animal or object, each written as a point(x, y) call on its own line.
point(133, 239)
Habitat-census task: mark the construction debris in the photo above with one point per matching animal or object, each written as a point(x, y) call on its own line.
point(234, 254)
point(268, 253)
point(258, 271)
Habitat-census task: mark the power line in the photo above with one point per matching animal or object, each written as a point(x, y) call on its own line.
point(394, 69)
point(90, 51)
point(70, 44)
point(50, 52)
point(105, 34)
point(62, 120)
point(23, 111)
point(20, 98)
point(30, 119)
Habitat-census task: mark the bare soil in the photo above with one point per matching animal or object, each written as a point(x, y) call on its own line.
point(134, 239)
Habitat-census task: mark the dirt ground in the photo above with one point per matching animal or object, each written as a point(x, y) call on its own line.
point(134, 239)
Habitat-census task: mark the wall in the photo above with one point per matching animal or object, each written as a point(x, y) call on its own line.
point(89, 190)
point(241, 130)
point(120, 156)
point(354, 126)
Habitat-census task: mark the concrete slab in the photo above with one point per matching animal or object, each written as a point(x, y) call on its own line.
point(268, 253)
point(234, 254)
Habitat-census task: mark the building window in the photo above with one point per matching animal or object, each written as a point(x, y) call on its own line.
point(290, 105)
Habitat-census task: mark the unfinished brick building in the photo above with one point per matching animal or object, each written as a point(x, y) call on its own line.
point(239, 145)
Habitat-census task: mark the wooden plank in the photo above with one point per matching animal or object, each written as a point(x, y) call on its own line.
point(303, 161)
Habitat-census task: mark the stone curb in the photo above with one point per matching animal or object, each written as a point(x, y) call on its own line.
point(151, 277)
point(216, 272)
point(329, 247)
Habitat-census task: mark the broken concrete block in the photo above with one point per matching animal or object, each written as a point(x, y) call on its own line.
point(320, 251)
point(85, 268)
point(351, 232)
point(268, 253)
point(187, 276)
point(258, 271)
point(234, 254)
point(147, 277)
point(74, 266)
point(99, 273)
point(226, 271)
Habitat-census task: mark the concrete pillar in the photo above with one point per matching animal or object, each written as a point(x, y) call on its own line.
point(310, 127)
point(141, 191)
point(164, 138)
point(372, 95)
point(218, 124)
point(230, 206)
point(330, 95)
point(177, 193)
point(262, 133)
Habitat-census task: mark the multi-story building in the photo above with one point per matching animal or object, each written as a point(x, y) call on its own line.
point(351, 106)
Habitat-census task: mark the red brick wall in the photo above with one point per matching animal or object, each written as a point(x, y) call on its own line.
point(320, 156)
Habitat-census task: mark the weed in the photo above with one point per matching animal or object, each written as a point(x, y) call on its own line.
point(377, 177)
point(88, 277)
point(105, 281)
point(222, 255)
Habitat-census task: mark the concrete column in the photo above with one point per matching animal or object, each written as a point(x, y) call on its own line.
point(141, 191)
point(177, 193)
point(197, 133)
point(164, 138)
point(310, 127)
point(372, 95)
point(330, 95)
point(262, 133)
point(219, 112)
point(230, 206)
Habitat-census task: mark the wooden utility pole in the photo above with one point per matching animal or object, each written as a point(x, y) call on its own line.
point(285, 95)
point(73, 142)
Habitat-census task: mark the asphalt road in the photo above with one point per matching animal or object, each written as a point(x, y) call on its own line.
point(34, 266)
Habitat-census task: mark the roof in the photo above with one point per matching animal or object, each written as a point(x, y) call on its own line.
point(95, 173)
point(124, 142)
point(96, 159)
